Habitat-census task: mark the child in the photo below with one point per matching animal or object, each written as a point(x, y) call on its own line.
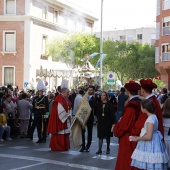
point(150, 152)
point(4, 127)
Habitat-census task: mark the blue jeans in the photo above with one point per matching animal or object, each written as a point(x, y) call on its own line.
point(118, 115)
point(2, 129)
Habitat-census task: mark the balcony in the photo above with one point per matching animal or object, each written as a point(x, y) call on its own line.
point(166, 5)
point(166, 31)
point(166, 56)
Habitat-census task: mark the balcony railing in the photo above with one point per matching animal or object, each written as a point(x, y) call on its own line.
point(166, 5)
point(166, 30)
point(166, 56)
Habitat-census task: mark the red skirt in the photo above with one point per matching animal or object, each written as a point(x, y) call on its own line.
point(60, 142)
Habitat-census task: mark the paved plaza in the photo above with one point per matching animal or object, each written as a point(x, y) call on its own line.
point(27, 155)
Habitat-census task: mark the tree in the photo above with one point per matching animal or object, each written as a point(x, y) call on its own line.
point(130, 61)
point(72, 48)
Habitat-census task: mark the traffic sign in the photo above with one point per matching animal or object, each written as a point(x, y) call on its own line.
point(110, 78)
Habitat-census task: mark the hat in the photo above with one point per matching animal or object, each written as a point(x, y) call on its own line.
point(64, 83)
point(40, 85)
point(132, 86)
point(147, 84)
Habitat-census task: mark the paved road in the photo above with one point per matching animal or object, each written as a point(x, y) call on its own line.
point(23, 154)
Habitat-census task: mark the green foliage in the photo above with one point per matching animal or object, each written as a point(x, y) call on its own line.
point(128, 61)
point(159, 83)
point(72, 47)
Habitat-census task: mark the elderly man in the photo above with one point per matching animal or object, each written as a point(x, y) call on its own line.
point(57, 124)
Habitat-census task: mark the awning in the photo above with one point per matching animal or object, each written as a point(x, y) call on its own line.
point(65, 73)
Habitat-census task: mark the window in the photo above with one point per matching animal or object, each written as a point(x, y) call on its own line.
point(9, 41)
point(44, 12)
point(44, 40)
point(55, 16)
point(166, 48)
point(130, 38)
point(8, 75)
point(166, 4)
point(139, 36)
point(10, 7)
point(166, 26)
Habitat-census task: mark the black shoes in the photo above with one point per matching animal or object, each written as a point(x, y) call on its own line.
point(87, 149)
point(108, 151)
point(82, 150)
point(99, 152)
point(39, 141)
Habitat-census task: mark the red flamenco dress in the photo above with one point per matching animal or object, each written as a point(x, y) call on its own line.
point(59, 130)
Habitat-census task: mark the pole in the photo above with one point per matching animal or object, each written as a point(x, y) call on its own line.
point(101, 45)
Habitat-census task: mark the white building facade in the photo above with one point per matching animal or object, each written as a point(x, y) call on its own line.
point(144, 35)
point(26, 25)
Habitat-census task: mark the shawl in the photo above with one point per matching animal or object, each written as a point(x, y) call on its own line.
point(80, 120)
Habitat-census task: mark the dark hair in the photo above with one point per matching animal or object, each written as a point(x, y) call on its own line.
point(165, 90)
point(24, 95)
point(148, 105)
point(51, 96)
point(107, 96)
point(122, 89)
point(91, 87)
point(81, 92)
point(166, 108)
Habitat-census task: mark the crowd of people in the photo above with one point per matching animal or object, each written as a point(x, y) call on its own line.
point(136, 115)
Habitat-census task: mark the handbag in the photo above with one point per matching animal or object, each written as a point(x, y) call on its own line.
point(10, 115)
point(143, 132)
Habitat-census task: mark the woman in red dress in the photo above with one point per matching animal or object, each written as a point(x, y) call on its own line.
point(57, 125)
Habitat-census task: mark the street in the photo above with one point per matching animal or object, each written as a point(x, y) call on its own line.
point(26, 154)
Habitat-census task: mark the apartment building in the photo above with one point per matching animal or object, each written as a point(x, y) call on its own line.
point(162, 55)
point(144, 35)
point(25, 27)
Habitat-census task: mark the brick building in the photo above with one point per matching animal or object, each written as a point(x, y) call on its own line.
point(25, 26)
point(162, 55)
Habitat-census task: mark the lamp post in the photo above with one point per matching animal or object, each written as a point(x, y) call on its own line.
point(101, 45)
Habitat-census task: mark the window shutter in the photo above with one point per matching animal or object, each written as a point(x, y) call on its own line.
point(10, 42)
point(10, 7)
point(8, 75)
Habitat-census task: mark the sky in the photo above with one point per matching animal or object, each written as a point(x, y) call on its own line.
point(122, 14)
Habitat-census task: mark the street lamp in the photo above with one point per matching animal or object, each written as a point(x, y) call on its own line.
point(101, 45)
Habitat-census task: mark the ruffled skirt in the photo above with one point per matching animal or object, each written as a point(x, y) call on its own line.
point(150, 155)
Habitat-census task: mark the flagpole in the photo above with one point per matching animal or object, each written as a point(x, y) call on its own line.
point(101, 45)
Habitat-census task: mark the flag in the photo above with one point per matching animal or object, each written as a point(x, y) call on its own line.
point(93, 55)
point(103, 57)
